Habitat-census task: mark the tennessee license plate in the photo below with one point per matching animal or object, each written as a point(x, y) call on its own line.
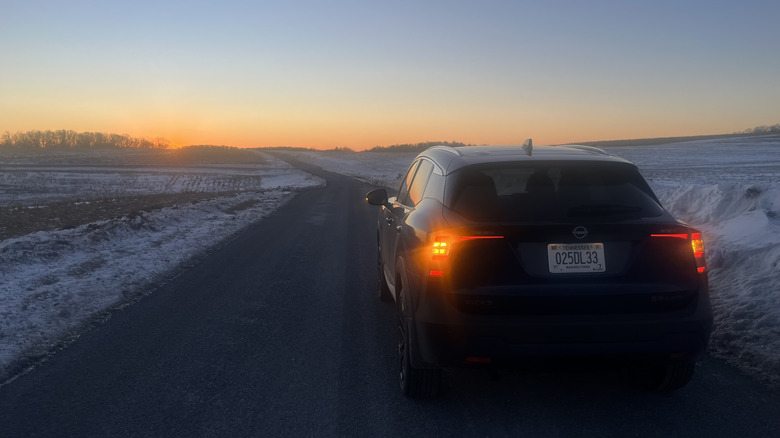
point(575, 258)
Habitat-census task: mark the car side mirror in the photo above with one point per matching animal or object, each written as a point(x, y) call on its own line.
point(377, 197)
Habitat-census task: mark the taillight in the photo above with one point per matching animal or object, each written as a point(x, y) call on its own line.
point(677, 236)
point(441, 247)
point(697, 245)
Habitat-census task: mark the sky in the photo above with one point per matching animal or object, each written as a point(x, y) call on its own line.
point(359, 74)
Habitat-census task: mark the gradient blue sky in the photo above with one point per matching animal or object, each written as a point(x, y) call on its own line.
point(363, 73)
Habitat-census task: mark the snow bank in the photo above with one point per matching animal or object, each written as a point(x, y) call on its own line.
point(741, 226)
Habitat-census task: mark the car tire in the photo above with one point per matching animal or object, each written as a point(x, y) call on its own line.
point(416, 383)
point(667, 378)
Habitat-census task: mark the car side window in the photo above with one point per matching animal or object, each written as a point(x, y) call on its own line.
point(435, 187)
point(420, 180)
point(403, 192)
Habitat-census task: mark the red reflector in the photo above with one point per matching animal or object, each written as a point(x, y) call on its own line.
point(437, 273)
point(701, 269)
point(473, 359)
point(678, 236)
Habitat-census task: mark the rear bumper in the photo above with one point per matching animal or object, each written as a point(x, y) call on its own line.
point(443, 336)
point(441, 345)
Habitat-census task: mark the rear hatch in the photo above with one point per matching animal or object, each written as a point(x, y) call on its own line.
point(567, 237)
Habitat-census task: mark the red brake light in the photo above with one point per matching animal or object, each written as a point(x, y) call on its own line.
point(697, 245)
point(462, 238)
point(678, 236)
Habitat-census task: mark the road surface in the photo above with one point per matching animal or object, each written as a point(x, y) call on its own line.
point(280, 333)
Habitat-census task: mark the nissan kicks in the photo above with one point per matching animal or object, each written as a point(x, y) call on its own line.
point(503, 254)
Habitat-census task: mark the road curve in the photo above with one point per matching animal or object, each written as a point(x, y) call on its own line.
point(280, 333)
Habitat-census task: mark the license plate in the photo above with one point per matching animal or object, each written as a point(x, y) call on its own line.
point(574, 258)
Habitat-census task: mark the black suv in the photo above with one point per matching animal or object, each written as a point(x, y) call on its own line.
point(495, 254)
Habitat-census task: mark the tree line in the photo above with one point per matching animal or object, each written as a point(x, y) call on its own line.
point(773, 129)
point(416, 147)
point(71, 140)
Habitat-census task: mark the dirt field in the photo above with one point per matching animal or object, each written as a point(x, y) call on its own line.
point(20, 220)
point(46, 191)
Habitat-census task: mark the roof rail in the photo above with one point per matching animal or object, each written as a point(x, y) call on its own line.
point(593, 149)
point(449, 149)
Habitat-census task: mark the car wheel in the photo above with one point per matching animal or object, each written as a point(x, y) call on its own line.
point(667, 378)
point(415, 382)
point(384, 291)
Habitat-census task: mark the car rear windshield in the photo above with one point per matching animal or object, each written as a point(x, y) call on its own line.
point(551, 192)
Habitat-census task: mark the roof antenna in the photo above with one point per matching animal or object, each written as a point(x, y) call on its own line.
point(528, 147)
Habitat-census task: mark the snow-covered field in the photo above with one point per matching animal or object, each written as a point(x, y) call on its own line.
point(729, 188)
point(52, 283)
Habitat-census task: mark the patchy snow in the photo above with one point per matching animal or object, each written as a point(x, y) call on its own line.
point(51, 283)
point(379, 168)
point(728, 188)
point(52, 183)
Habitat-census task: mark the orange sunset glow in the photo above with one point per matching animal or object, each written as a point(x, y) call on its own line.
point(358, 76)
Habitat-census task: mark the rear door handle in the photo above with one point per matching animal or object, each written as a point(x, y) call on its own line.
point(398, 228)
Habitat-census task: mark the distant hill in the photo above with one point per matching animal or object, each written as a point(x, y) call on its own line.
point(659, 140)
point(759, 130)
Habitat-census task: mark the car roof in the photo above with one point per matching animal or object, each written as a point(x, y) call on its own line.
point(451, 159)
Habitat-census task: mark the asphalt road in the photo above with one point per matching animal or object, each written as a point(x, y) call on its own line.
point(280, 333)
